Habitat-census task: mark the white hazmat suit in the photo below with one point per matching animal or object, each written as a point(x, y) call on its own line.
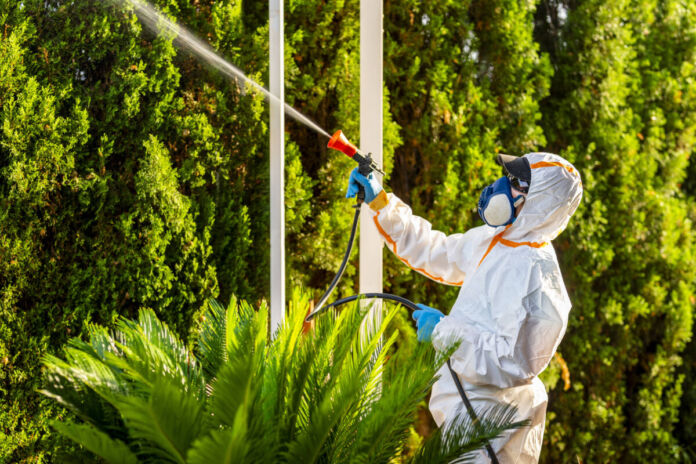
point(512, 309)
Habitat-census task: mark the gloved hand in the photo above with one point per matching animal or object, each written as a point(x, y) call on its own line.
point(426, 319)
point(372, 187)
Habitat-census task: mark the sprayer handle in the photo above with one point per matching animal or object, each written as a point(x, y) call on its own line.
point(360, 198)
point(364, 168)
point(365, 164)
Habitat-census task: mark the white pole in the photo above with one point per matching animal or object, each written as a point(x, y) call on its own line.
point(277, 129)
point(370, 134)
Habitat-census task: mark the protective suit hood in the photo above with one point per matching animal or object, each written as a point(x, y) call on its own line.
point(554, 195)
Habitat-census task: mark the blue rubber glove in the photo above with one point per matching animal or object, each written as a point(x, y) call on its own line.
point(426, 319)
point(372, 187)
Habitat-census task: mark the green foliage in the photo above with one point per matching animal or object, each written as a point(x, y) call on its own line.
point(133, 176)
point(465, 79)
point(130, 176)
point(622, 109)
point(323, 396)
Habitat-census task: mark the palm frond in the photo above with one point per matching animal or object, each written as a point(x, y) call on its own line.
point(111, 450)
point(88, 405)
point(139, 386)
point(86, 368)
point(212, 339)
point(462, 436)
point(150, 350)
point(369, 398)
point(228, 446)
point(237, 396)
point(233, 389)
point(335, 399)
point(81, 384)
point(342, 394)
point(384, 428)
point(305, 365)
point(166, 423)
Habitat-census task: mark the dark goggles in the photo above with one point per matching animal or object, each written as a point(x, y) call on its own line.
point(518, 184)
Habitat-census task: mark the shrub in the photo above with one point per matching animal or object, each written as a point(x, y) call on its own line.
point(328, 395)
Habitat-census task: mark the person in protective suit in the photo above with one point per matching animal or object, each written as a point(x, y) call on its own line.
point(512, 309)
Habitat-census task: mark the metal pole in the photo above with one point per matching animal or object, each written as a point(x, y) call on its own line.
point(277, 129)
point(370, 135)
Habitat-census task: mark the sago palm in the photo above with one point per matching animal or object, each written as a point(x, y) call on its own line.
point(329, 395)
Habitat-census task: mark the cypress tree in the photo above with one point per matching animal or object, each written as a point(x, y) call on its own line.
point(616, 110)
point(129, 174)
point(464, 81)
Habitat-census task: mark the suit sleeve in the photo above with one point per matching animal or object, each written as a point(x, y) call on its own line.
point(529, 309)
point(443, 258)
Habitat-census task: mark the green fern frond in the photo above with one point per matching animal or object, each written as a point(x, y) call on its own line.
point(150, 350)
point(111, 450)
point(213, 338)
point(369, 398)
point(462, 436)
point(382, 431)
point(87, 405)
point(233, 389)
point(166, 423)
point(228, 446)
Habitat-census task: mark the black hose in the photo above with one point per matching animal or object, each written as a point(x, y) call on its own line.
point(470, 410)
point(384, 296)
point(341, 269)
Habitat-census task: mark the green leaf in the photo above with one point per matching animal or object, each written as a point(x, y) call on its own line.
point(166, 423)
point(451, 443)
point(212, 340)
point(227, 446)
point(99, 443)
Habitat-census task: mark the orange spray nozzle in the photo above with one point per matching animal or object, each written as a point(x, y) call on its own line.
point(340, 142)
point(366, 163)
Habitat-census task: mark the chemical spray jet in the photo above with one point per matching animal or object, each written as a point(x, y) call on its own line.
point(158, 23)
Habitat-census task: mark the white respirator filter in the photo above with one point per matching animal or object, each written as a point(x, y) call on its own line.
point(496, 205)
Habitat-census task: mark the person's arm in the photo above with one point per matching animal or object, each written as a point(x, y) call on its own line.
point(530, 309)
point(443, 258)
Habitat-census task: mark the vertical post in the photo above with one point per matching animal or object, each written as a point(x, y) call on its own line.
point(277, 145)
point(370, 134)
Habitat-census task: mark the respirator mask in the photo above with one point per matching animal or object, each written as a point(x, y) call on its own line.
point(496, 205)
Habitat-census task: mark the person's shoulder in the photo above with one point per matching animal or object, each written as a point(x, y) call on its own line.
point(481, 232)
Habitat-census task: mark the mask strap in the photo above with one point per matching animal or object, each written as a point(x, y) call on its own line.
point(518, 201)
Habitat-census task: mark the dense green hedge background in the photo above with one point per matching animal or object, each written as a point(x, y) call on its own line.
point(133, 176)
